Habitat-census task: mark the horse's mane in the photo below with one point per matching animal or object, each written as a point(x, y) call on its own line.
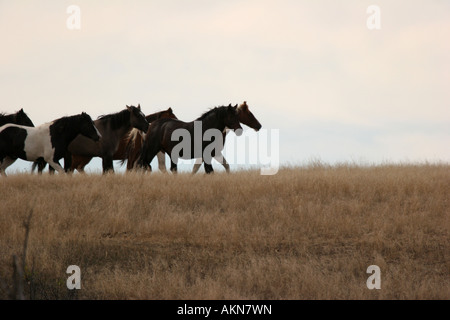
point(5, 118)
point(211, 111)
point(116, 119)
point(154, 116)
point(65, 120)
point(4, 115)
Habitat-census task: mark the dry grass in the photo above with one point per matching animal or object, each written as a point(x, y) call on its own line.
point(305, 233)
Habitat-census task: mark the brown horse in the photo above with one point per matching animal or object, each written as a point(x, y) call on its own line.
point(79, 161)
point(246, 117)
point(161, 134)
point(112, 128)
point(134, 140)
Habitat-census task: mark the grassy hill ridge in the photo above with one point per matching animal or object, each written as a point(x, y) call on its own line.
point(304, 233)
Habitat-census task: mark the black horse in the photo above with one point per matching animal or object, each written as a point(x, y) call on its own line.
point(163, 134)
point(246, 117)
point(20, 117)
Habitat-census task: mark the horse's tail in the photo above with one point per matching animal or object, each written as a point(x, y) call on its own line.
point(133, 136)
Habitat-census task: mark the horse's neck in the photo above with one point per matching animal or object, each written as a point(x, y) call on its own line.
point(212, 122)
point(124, 128)
point(152, 117)
point(6, 119)
point(65, 131)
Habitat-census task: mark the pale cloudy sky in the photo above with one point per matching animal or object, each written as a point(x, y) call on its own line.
point(336, 90)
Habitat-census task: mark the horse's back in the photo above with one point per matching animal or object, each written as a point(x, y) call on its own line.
point(12, 141)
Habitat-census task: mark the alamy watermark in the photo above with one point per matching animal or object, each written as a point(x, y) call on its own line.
point(73, 22)
point(74, 280)
point(374, 20)
point(243, 148)
point(374, 281)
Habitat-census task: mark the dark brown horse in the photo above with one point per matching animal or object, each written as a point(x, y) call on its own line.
point(79, 161)
point(20, 117)
point(163, 134)
point(246, 117)
point(112, 128)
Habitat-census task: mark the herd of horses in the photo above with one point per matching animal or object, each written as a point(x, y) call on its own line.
point(128, 135)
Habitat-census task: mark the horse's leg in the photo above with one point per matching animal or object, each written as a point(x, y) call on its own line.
point(197, 165)
point(108, 165)
point(68, 162)
point(209, 168)
point(173, 167)
point(51, 170)
point(7, 161)
point(55, 166)
point(81, 163)
point(221, 159)
point(162, 161)
point(76, 164)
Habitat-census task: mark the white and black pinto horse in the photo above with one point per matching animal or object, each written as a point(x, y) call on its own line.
point(48, 141)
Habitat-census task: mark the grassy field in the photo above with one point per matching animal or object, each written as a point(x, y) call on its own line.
point(304, 233)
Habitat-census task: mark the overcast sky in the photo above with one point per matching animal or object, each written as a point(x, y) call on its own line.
point(334, 89)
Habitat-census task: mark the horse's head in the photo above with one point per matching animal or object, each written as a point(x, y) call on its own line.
point(246, 117)
point(137, 118)
point(167, 114)
point(88, 128)
point(22, 119)
point(231, 119)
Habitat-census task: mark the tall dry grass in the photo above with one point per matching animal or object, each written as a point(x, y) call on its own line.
point(304, 233)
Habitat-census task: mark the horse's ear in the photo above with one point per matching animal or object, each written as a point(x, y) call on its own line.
point(128, 107)
point(236, 106)
point(170, 110)
point(139, 106)
point(229, 105)
point(21, 110)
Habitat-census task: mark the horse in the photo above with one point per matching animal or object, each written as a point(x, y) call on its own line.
point(48, 141)
point(246, 117)
point(20, 117)
point(161, 132)
point(79, 161)
point(131, 145)
point(112, 127)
